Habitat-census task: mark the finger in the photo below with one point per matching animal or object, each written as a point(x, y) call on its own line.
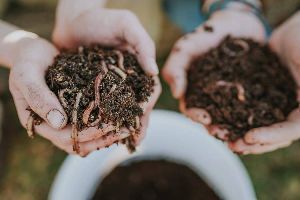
point(147, 106)
point(138, 137)
point(62, 141)
point(243, 148)
point(134, 33)
point(183, 53)
point(20, 103)
point(93, 133)
point(284, 131)
point(174, 73)
point(63, 136)
point(219, 132)
point(273, 134)
point(105, 141)
point(37, 94)
point(196, 114)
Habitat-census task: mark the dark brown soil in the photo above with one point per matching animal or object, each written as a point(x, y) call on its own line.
point(98, 85)
point(243, 85)
point(154, 180)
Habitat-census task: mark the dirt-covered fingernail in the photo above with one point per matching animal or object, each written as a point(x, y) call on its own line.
point(56, 119)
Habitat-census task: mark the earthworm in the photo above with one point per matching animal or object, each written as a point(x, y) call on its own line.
point(117, 71)
point(74, 135)
point(224, 83)
point(241, 92)
point(113, 88)
point(250, 119)
point(30, 126)
point(108, 127)
point(130, 71)
point(137, 122)
point(239, 87)
point(131, 129)
point(80, 49)
point(232, 53)
point(120, 59)
point(62, 98)
point(118, 127)
point(98, 81)
point(123, 135)
point(94, 123)
point(87, 112)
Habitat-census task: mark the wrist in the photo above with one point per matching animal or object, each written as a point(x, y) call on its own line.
point(12, 45)
point(249, 7)
point(206, 4)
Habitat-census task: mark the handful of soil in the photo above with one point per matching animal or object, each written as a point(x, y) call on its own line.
point(242, 85)
point(98, 85)
point(154, 180)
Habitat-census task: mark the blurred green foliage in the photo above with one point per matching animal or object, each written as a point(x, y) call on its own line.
point(30, 165)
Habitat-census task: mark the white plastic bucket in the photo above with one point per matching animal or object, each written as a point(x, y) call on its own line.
point(170, 136)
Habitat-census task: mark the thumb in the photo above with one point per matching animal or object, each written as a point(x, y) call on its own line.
point(285, 41)
point(134, 33)
point(40, 99)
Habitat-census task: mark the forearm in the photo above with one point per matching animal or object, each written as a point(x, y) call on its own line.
point(10, 36)
point(5, 30)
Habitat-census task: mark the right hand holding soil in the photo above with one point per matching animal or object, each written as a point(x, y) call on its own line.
point(204, 38)
point(285, 41)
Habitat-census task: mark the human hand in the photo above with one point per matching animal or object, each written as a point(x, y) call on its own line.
point(285, 41)
point(206, 37)
point(80, 24)
point(30, 58)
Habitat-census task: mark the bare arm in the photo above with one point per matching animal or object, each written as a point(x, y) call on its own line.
point(10, 37)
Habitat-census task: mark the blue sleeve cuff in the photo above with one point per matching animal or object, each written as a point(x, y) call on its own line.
point(220, 5)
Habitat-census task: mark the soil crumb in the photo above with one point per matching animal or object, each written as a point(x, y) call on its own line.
point(153, 180)
point(243, 85)
point(97, 85)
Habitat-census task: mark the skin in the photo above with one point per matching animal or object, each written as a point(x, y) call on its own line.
point(29, 56)
point(226, 22)
point(285, 41)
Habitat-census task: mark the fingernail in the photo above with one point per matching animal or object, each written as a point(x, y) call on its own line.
point(153, 67)
point(55, 118)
